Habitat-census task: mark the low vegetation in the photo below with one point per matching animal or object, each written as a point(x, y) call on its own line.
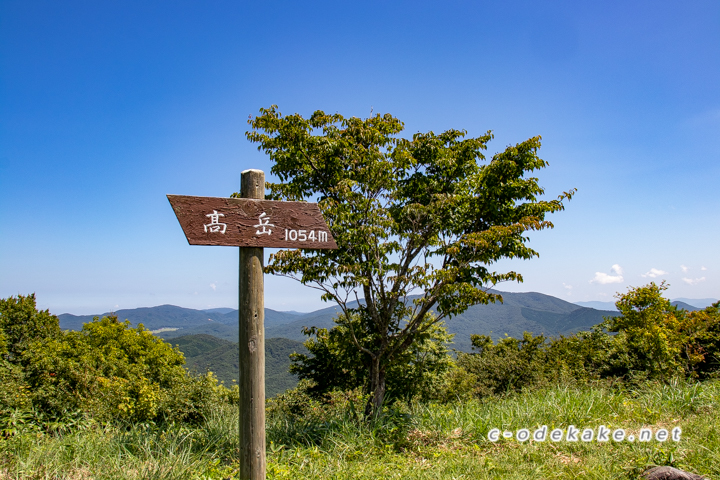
point(108, 371)
point(112, 401)
point(416, 441)
point(650, 340)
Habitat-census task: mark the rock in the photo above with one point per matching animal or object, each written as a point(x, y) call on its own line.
point(670, 473)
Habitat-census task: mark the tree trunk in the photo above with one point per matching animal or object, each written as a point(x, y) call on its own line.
point(377, 388)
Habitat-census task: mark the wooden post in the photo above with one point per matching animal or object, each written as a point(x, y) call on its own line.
point(252, 345)
point(252, 223)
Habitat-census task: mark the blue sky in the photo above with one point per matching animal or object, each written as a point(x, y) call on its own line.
point(106, 107)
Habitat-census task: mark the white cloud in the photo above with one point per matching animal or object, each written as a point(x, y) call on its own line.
point(703, 268)
point(604, 278)
point(568, 288)
point(654, 273)
point(693, 281)
point(213, 286)
point(684, 268)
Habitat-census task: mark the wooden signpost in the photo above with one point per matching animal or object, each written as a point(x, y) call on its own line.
point(251, 223)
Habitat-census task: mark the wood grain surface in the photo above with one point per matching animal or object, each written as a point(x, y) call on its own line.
point(251, 345)
point(240, 222)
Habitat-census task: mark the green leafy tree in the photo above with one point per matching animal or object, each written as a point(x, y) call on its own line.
point(651, 329)
point(661, 341)
point(650, 339)
point(13, 388)
point(509, 365)
point(335, 363)
point(425, 216)
point(702, 349)
point(21, 324)
point(588, 355)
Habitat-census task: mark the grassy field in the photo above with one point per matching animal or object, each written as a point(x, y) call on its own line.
point(414, 441)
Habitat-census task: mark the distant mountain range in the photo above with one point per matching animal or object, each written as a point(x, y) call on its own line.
point(532, 312)
point(177, 318)
point(689, 304)
point(208, 338)
point(221, 311)
point(519, 312)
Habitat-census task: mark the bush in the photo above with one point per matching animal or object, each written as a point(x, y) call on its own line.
point(108, 371)
point(336, 363)
point(649, 340)
point(659, 341)
point(509, 365)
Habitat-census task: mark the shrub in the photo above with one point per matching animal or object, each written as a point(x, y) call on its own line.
point(659, 341)
point(650, 340)
point(702, 347)
point(108, 371)
point(335, 363)
point(509, 365)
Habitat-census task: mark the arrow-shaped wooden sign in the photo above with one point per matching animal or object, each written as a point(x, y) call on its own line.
point(245, 222)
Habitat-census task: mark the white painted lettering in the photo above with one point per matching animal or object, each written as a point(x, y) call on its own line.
point(215, 226)
point(264, 222)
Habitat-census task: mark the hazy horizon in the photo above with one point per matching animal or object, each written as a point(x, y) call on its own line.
point(696, 302)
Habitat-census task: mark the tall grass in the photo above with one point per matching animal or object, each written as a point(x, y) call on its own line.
point(416, 441)
point(141, 451)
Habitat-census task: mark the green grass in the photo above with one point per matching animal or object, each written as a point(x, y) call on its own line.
point(416, 441)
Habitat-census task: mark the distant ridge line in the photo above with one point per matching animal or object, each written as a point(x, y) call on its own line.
point(528, 311)
point(695, 303)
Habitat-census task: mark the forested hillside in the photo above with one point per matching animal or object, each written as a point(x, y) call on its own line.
point(205, 353)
